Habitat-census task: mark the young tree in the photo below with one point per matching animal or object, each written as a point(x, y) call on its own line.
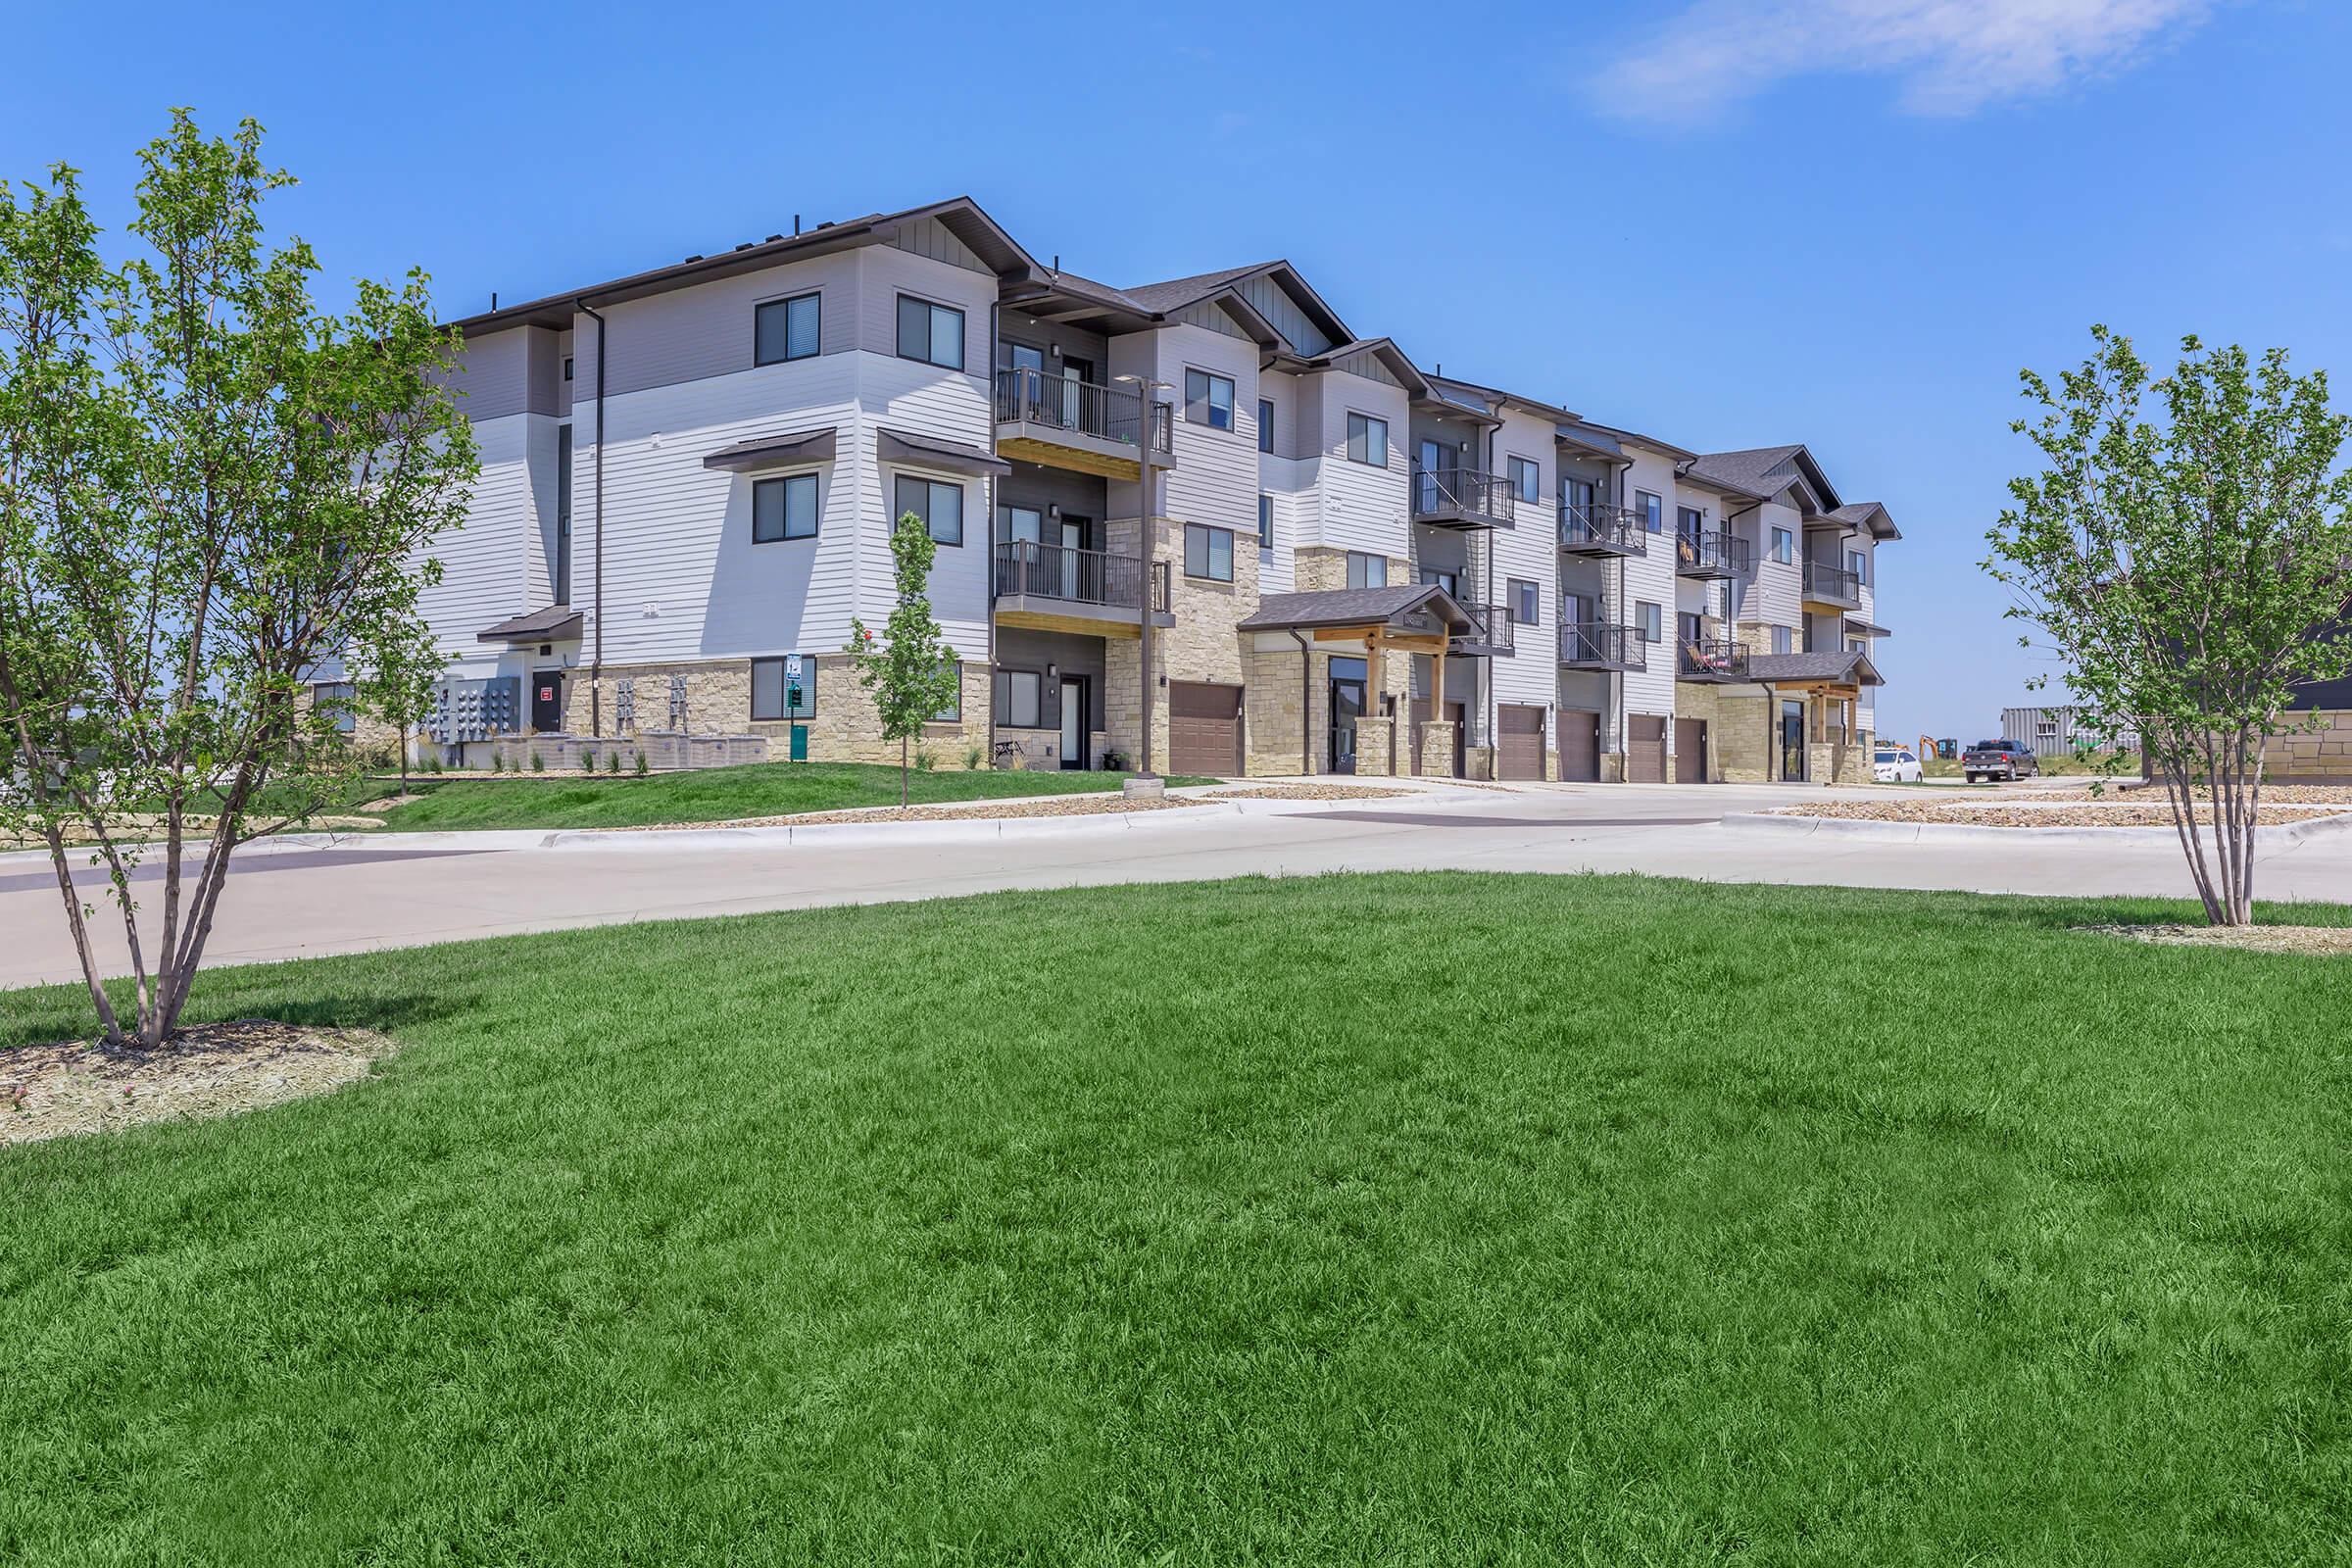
point(2188, 553)
point(209, 489)
point(912, 674)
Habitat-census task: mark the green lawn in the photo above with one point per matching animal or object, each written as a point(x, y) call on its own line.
point(1409, 1219)
point(714, 795)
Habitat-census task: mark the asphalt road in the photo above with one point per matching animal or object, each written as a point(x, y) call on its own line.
point(393, 891)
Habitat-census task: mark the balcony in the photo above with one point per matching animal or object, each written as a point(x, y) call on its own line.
point(1051, 587)
point(1063, 423)
point(1833, 587)
point(1492, 634)
point(1602, 529)
point(1711, 553)
point(1462, 498)
point(1602, 645)
point(1710, 660)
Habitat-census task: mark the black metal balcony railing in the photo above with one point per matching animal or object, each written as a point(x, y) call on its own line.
point(1602, 645)
point(1834, 584)
point(1711, 553)
point(1464, 493)
point(1082, 407)
point(1598, 528)
point(1712, 659)
point(1058, 571)
point(1492, 631)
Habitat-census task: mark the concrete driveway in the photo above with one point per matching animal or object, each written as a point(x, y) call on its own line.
point(288, 900)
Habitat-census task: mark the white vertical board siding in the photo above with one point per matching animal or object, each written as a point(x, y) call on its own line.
point(884, 273)
point(1215, 478)
point(1774, 595)
point(1530, 551)
point(485, 559)
point(1360, 507)
point(1651, 577)
point(682, 578)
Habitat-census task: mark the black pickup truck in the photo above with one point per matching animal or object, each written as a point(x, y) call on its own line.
point(2003, 760)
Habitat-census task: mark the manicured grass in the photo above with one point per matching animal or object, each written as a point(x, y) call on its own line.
point(714, 795)
point(1430, 1219)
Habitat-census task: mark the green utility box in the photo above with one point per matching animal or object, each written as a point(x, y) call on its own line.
point(800, 742)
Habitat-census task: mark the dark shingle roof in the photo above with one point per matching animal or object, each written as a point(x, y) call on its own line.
point(1178, 292)
point(1842, 666)
point(1352, 607)
point(1753, 471)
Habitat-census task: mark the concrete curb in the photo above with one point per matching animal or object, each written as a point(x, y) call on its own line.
point(1964, 833)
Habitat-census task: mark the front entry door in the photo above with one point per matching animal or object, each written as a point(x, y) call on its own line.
point(1073, 722)
point(547, 701)
point(1074, 584)
point(1792, 740)
point(1348, 677)
point(1433, 459)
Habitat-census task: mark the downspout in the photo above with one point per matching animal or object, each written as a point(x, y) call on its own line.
point(596, 656)
point(995, 310)
point(1486, 706)
point(1306, 705)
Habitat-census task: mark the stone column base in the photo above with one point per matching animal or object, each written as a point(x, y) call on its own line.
point(1436, 748)
point(1373, 732)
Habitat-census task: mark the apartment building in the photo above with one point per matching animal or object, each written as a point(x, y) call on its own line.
point(1201, 525)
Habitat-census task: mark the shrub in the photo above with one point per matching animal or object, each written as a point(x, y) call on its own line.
point(498, 763)
point(613, 762)
point(642, 770)
point(924, 760)
point(538, 763)
point(973, 757)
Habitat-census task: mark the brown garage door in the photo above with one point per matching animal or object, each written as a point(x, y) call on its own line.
point(1205, 729)
point(1689, 750)
point(1580, 746)
point(1519, 741)
point(1646, 748)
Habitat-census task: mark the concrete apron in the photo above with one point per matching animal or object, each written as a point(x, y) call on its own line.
point(1966, 833)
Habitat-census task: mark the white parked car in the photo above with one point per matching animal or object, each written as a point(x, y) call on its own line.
point(1896, 765)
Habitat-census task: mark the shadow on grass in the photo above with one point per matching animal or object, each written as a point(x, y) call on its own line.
point(68, 1016)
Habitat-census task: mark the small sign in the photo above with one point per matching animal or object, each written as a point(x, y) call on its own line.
point(792, 666)
point(547, 694)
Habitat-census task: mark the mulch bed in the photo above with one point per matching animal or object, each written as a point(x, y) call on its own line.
point(2315, 941)
point(216, 1069)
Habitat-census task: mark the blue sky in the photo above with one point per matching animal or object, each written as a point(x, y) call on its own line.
point(1730, 222)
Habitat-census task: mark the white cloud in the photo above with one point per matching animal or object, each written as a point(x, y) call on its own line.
point(1952, 57)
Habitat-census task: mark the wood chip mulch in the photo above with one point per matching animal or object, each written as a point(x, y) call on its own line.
point(2317, 940)
point(2272, 795)
point(2019, 815)
point(1059, 806)
point(218, 1069)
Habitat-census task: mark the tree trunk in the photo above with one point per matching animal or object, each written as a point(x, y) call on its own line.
point(109, 1026)
point(903, 795)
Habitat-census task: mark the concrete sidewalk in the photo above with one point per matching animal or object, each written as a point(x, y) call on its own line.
point(298, 899)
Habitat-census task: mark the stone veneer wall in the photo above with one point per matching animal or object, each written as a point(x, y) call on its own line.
point(2323, 754)
point(844, 727)
point(1203, 646)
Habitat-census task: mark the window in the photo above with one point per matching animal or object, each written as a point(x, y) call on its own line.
point(1527, 602)
point(1780, 639)
point(1209, 400)
point(784, 688)
point(1266, 425)
point(1653, 511)
point(1784, 546)
point(1527, 481)
point(939, 505)
point(1646, 616)
point(1208, 552)
point(562, 572)
point(953, 713)
point(567, 367)
point(1367, 440)
point(784, 508)
point(1690, 626)
point(1024, 700)
point(1859, 565)
point(1690, 519)
point(1367, 571)
point(932, 333)
point(334, 698)
point(1265, 522)
point(788, 329)
point(1452, 582)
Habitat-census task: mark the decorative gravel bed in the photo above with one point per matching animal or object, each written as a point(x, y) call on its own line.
point(1311, 792)
point(2318, 941)
point(2272, 794)
point(1059, 806)
point(212, 1070)
point(2018, 815)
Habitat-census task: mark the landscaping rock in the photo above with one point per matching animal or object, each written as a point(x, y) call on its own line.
point(215, 1069)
